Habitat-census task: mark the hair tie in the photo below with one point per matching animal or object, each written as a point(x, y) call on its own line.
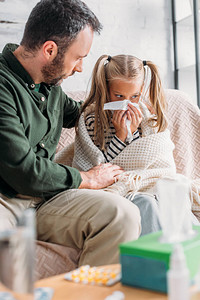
point(109, 58)
point(144, 63)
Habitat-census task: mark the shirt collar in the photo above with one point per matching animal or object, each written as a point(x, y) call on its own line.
point(16, 67)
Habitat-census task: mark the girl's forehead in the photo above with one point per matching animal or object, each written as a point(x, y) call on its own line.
point(124, 85)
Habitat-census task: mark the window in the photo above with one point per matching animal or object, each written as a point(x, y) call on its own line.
point(185, 18)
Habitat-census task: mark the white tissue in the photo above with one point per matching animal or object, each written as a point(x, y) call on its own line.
point(122, 105)
point(175, 209)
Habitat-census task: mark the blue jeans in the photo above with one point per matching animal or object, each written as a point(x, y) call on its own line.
point(148, 206)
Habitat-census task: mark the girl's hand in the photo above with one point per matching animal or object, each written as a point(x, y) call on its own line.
point(119, 122)
point(135, 116)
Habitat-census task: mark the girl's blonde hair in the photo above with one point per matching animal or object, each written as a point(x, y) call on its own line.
point(127, 68)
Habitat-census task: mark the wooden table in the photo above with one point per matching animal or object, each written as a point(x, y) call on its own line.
point(66, 290)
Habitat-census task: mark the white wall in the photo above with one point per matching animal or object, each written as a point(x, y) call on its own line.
point(138, 27)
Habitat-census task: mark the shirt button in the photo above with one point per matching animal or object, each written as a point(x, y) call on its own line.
point(43, 99)
point(43, 145)
point(32, 86)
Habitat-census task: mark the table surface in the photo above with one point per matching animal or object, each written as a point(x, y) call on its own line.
point(64, 289)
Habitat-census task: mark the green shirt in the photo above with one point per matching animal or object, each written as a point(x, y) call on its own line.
point(31, 121)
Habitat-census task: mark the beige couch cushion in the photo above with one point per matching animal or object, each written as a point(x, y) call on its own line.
point(184, 125)
point(54, 259)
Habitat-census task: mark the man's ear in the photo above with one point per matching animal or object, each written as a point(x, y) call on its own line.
point(50, 50)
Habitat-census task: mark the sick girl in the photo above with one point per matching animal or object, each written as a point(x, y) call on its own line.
point(132, 134)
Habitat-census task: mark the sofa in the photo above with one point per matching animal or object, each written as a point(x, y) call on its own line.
point(184, 125)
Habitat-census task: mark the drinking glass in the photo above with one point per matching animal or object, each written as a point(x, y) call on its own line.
point(17, 259)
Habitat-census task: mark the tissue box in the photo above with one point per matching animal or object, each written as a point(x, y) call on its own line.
point(144, 262)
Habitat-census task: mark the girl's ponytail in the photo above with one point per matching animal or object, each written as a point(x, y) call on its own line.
point(157, 97)
point(99, 95)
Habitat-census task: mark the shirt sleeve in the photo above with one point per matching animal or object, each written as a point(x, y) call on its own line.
point(114, 146)
point(21, 169)
point(71, 115)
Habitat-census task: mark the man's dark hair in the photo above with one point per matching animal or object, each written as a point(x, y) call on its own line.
point(59, 21)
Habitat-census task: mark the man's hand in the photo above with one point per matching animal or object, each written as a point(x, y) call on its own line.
point(100, 176)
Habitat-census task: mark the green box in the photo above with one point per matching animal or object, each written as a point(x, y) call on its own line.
point(145, 262)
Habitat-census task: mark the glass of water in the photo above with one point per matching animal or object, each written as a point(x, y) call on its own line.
point(17, 259)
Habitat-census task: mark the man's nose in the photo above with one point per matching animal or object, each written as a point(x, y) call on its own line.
point(79, 66)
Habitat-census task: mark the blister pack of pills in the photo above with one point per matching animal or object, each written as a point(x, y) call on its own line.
point(105, 276)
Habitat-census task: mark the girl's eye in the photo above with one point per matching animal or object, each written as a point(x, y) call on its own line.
point(118, 96)
point(135, 96)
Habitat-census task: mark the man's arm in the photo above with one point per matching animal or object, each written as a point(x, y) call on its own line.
point(21, 169)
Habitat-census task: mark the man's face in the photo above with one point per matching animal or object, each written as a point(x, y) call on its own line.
point(67, 64)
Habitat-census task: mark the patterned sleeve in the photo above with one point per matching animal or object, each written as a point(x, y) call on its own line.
point(113, 144)
point(113, 148)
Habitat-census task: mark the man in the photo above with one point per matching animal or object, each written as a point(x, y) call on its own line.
point(71, 210)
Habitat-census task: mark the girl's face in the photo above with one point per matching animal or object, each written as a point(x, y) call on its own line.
point(121, 90)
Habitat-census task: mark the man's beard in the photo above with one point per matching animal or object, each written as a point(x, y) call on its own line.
point(52, 72)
